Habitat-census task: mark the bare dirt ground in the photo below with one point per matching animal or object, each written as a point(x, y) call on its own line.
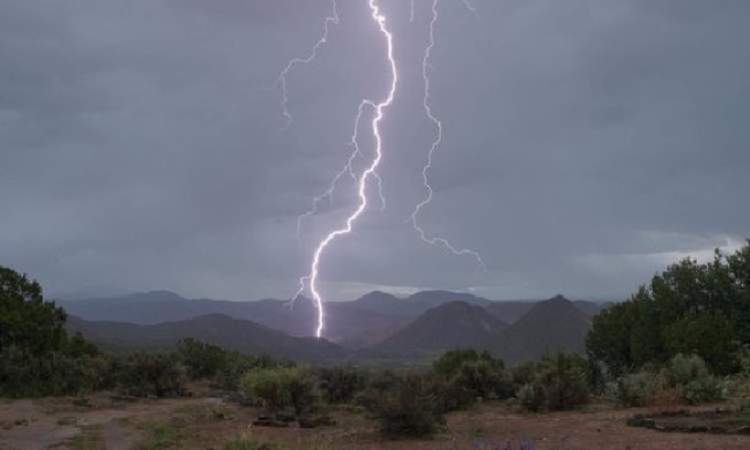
point(102, 422)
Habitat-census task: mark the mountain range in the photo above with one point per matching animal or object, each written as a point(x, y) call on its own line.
point(375, 324)
point(232, 334)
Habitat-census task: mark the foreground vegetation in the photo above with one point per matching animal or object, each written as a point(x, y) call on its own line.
point(680, 341)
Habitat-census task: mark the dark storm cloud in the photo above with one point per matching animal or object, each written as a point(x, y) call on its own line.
point(587, 143)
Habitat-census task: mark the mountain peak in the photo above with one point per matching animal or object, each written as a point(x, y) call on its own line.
point(160, 294)
point(559, 298)
point(450, 325)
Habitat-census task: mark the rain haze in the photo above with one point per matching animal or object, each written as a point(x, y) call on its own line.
point(587, 144)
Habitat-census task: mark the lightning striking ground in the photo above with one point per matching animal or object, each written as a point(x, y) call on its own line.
point(332, 19)
point(432, 240)
point(379, 112)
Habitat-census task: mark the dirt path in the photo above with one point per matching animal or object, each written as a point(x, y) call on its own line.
point(55, 423)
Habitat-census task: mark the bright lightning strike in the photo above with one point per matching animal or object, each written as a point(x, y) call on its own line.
point(434, 147)
point(332, 19)
point(379, 113)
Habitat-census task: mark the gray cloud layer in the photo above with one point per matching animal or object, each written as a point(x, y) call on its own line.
point(587, 143)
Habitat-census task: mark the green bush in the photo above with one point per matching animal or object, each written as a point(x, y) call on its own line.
point(743, 390)
point(690, 376)
point(524, 373)
point(701, 308)
point(409, 409)
point(451, 395)
point(450, 362)
point(636, 389)
point(484, 379)
point(236, 365)
point(201, 360)
point(152, 374)
point(702, 390)
point(685, 378)
point(531, 397)
point(561, 380)
point(683, 369)
point(37, 356)
point(281, 388)
point(340, 384)
point(465, 375)
point(377, 383)
point(55, 373)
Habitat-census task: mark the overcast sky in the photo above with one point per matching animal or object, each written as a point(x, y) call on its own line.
point(588, 143)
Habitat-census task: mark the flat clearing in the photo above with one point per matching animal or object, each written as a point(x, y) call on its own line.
point(104, 422)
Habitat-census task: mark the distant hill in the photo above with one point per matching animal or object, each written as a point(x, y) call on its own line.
point(361, 323)
point(554, 324)
point(548, 325)
point(449, 325)
point(591, 308)
point(511, 310)
point(234, 334)
point(436, 298)
point(413, 305)
point(345, 322)
point(384, 303)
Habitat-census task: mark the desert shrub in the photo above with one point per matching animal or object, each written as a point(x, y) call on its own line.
point(636, 389)
point(201, 360)
point(524, 373)
point(408, 409)
point(340, 384)
point(682, 369)
point(377, 383)
point(561, 377)
point(702, 390)
point(236, 365)
point(690, 376)
point(743, 386)
point(531, 396)
point(229, 375)
point(450, 395)
point(450, 362)
point(281, 388)
point(54, 373)
point(685, 378)
point(152, 374)
point(467, 374)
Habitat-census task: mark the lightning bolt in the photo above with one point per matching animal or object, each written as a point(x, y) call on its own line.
point(347, 169)
point(370, 171)
point(470, 7)
point(332, 19)
point(432, 240)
